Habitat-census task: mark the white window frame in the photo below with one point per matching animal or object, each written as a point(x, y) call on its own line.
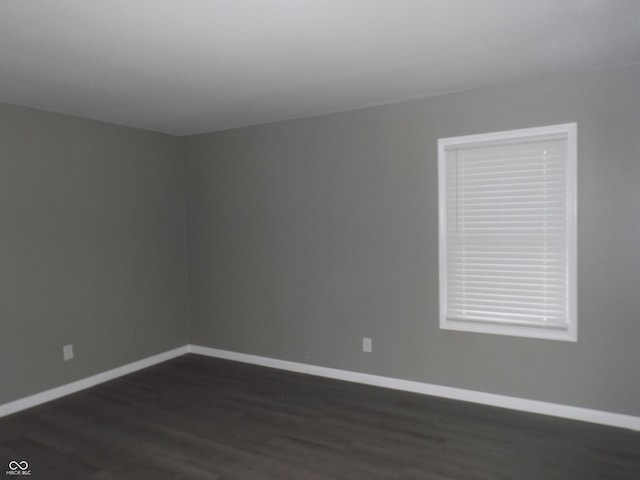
point(570, 333)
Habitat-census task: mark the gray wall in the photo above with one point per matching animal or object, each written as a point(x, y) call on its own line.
point(305, 236)
point(92, 248)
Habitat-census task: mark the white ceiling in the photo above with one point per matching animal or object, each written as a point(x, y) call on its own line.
point(190, 66)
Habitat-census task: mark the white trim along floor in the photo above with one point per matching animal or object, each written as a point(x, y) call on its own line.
point(512, 403)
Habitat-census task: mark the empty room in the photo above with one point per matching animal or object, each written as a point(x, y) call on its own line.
point(320, 239)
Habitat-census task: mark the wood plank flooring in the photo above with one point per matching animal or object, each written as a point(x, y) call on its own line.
point(201, 418)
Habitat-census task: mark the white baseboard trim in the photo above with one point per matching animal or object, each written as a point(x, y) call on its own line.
point(73, 387)
point(503, 401)
point(511, 403)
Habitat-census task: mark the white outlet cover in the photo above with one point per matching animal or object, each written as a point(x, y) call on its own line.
point(67, 352)
point(367, 345)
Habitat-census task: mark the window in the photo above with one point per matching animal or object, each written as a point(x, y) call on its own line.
point(508, 232)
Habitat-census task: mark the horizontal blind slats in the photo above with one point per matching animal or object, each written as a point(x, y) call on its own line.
point(506, 223)
point(493, 317)
point(523, 171)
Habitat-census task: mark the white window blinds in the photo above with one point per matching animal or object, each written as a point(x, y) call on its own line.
point(507, 220)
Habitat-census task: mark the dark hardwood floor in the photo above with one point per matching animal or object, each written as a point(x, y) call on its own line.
point(200, 418)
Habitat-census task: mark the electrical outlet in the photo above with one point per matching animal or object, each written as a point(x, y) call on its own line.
point(67, 352)
point(367, 345)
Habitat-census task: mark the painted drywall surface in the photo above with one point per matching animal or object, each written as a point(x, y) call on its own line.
point(306, 236)
point(92, 248)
